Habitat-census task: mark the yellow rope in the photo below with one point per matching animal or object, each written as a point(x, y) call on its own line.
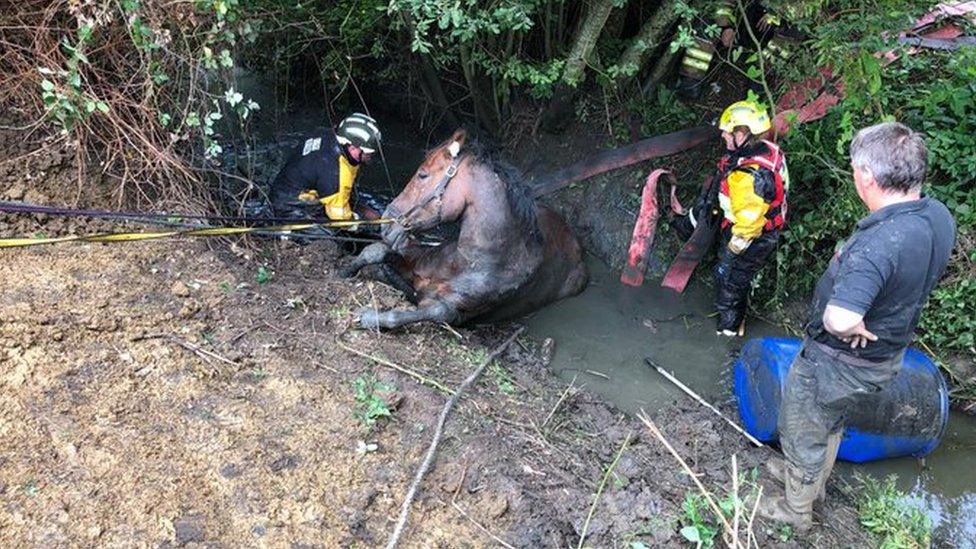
point(208, 231)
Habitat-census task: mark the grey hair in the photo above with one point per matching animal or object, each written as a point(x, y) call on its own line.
point(893, 153)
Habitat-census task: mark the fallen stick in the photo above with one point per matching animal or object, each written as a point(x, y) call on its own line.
point(403, 370)
point(204, 354)
point(569, 389)
point(702, 401)
point(646, 420)
point(438, 432)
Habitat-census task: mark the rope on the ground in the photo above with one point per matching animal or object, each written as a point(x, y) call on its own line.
point(205, 231)
point(438, 433)
point(18, 207)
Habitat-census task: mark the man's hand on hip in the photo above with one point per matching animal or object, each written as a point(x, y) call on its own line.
point(860, 337)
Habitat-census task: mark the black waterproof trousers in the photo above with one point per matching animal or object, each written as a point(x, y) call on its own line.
point(734, 274)
point(823, 390)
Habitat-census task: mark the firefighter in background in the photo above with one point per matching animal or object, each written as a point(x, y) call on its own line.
point(320, 175)
point(748, 191)
point(697, 58)
point(772, 28)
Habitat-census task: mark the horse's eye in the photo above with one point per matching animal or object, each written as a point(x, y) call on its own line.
point(422, 174)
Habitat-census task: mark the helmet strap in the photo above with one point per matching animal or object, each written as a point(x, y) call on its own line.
point(345, 152)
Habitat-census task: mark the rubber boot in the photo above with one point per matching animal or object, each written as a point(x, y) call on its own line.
point(796, 506)
point(777, 466)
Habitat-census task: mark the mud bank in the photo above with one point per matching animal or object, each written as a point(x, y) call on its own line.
point(122, 425)
point(174, 393)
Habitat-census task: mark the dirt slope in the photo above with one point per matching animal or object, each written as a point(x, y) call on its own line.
point(113, 434)
point(157, 394)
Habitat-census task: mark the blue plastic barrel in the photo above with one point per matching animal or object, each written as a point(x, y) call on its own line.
point(907, 418)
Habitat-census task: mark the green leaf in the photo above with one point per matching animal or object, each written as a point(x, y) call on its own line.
point(691, 534)
point(85, 32)
point(47, 85)
point(102, 106)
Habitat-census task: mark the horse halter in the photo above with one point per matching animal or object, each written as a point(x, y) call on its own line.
point(437, 193)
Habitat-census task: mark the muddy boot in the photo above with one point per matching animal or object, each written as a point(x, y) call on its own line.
point(777, 466)
point(796, 506)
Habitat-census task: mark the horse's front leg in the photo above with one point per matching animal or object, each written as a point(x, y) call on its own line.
point(438, 311)
point(371, 255)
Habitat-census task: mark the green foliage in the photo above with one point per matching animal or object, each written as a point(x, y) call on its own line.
point(932, 92)
point(502, 379)
point(883, 510)
point(699, 523)
point(485, 43)
point(63, 91)
point(370, 402)
point(948, 321)
point(150, 56)
point(264, 275)
point(662, 113)
point(697, 529)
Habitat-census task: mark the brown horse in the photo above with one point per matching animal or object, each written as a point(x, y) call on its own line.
point(510, 257)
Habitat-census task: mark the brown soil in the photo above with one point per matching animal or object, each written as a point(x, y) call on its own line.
point(156, 394)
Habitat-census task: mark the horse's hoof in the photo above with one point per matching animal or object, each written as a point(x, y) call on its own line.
point(369, 318)
point(348, 272)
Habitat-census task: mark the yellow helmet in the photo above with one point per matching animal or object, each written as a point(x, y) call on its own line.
point(745, 113)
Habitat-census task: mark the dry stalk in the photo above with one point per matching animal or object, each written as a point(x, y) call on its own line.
point(599, 491)
point(204, 354)
point(389, 364)
point(435, 441)
point(735, 496)
point(646, 420)
point(566, 393)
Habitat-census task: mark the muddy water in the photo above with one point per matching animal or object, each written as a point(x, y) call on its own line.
point(602, 336)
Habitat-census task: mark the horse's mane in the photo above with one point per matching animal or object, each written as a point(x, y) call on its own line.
point(517, 191)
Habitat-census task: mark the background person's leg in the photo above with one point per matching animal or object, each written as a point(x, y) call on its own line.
point(733, 279)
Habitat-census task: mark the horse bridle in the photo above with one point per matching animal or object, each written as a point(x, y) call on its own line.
point(437, 193)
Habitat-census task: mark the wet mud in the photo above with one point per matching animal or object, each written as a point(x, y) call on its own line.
point(201, 393)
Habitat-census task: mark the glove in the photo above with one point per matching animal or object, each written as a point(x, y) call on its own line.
point(308, 196)
point(737, 244)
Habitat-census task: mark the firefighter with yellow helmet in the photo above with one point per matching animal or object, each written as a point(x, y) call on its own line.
point(748, 194)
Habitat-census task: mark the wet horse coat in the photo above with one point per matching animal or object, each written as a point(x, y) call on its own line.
point(512, 256)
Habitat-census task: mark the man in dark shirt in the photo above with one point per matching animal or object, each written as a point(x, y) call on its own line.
point(865, 310)
point(319, 175)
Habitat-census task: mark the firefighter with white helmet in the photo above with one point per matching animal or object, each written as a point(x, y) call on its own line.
point(321, 173)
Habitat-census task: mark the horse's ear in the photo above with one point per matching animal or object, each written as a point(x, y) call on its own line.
point(460, 136)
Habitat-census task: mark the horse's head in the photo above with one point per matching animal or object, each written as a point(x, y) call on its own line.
point(437, 193)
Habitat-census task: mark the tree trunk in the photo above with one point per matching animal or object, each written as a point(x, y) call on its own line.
point(429, 80)
point(648, 39)
point(661, 68)
point(596, 17)
point(483, 108)
point(559, 112)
